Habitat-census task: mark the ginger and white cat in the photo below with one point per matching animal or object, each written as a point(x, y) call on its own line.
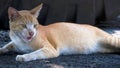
point(62, 38)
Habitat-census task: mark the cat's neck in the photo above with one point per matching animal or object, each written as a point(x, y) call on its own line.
point(41, 28)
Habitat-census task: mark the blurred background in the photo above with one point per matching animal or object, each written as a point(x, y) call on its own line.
point(94, 12)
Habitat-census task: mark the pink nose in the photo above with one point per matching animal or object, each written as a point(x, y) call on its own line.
point(31, 33)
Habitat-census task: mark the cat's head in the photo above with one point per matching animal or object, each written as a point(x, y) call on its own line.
point(24, 23)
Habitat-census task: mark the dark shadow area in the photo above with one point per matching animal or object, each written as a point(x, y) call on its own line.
point(93, 12)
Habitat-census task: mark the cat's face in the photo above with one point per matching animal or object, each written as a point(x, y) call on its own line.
point(24, 23)
point(25, 27)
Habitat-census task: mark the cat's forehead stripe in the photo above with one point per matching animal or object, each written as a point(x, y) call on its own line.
point(26, 19)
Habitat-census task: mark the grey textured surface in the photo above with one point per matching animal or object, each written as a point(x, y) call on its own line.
point(72, 61)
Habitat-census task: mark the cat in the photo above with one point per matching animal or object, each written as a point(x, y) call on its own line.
point(61, 38)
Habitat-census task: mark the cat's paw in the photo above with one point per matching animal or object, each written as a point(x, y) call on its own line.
point(21, 58)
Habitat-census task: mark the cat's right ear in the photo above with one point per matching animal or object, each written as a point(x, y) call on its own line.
point(13, 13)
point(35, 11)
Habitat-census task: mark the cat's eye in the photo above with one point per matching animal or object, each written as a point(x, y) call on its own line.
point(24, 26)
point(35, 25)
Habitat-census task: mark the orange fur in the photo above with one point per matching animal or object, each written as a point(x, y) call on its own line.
point(62, 38)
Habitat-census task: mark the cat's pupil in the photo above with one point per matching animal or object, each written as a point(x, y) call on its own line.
point(24, 26)
point(35, 25)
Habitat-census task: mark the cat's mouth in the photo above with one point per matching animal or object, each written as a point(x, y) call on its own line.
point(26, 38)
point(29, 38)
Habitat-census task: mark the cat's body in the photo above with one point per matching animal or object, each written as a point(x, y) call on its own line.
point(68, 38)
point(42, 42)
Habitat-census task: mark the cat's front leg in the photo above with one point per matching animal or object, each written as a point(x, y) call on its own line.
point(44, 53)
point(7, 47)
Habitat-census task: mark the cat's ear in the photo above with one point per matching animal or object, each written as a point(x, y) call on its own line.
point(35, 11)
point(13, 13)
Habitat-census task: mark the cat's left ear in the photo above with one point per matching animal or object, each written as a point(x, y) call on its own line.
point(35, 11)
point(13, 13)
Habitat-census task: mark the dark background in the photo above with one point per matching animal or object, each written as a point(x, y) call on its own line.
point(94, 12)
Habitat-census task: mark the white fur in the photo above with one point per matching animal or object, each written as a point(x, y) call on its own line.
point(20, 46)
point(38, 54)
point(87, 49)
point(116, 34)
point(7, 44)
point(30, 27)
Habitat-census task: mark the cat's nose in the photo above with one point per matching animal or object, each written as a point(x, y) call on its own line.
point(31, 33)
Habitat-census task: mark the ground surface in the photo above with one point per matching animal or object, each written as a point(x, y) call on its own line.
point(72, 61)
